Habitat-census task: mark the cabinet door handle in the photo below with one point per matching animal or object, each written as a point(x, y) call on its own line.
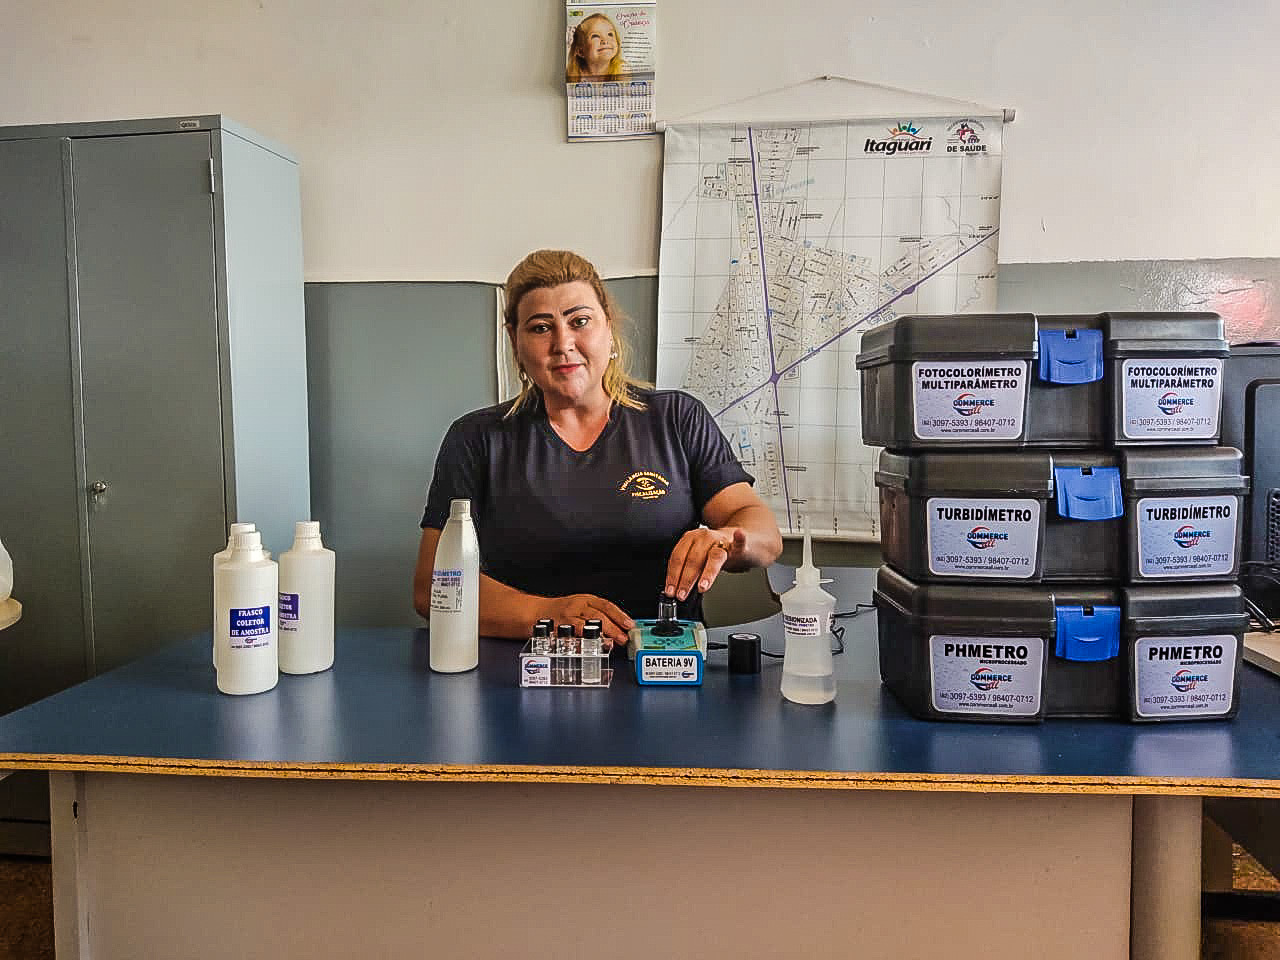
point(98, 487)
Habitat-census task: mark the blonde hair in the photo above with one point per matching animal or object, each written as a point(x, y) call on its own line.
point(576, 68)
point(552, 268)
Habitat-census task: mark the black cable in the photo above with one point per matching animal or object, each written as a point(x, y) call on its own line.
point(836, 632)
point(858, 608)
point(1265, 622)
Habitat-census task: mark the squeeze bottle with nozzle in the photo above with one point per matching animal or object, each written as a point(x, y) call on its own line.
point(807, 671)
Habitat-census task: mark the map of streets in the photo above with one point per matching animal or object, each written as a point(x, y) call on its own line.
point(781, 244)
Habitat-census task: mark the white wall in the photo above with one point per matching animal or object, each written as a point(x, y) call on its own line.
point(431, 134)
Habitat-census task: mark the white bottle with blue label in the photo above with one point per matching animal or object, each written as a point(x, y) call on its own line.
point(808, 673)
point(306, 602)
point(245, 593)
point(455, 594)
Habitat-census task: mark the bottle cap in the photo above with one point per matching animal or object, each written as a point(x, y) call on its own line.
point(460, 509)
point(240, 528)
point(246, 540)
point(542, 628)
point(592, 630)
point(564, 630)
point(307, 529)
point(593, 622)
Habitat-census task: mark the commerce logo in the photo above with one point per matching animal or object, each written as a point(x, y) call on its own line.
point(984, 538)
point(1171, 403)
point(967, 404)
point(645, 485)
point(904, 138)
point(1188, 536)
point(984, 678)
point(1185, 680)
point(965, 136)
point(535, 667)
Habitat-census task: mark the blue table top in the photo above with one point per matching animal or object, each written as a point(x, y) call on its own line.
point(381, 714)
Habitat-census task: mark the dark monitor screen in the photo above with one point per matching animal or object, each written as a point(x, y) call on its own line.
point(1251, 423)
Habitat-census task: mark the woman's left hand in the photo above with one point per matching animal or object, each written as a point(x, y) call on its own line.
point(700, 556)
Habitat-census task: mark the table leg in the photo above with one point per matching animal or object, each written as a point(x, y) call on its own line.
point(1165, 902)
point(70, 861)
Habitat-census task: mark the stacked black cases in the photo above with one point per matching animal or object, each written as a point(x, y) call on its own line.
point(1051, 485)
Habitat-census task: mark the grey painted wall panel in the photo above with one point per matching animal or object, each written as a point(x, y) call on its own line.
point(391, 365)
point(1243, 291)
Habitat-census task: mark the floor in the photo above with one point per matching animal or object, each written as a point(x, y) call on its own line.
point(26, 914)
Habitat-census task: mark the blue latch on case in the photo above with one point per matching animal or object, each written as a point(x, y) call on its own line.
point(1088, 493)
point(1070, 356)
point(1088, 634)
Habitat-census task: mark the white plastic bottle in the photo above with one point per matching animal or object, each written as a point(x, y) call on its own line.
point(306, 602)
point(455, 594)
point(221, 557)
point(245, 593)
point(807, 671)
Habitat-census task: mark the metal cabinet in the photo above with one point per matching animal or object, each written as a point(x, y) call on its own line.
point(152, 388)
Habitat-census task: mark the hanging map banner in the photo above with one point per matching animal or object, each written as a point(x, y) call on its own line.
point(609, 69)
point(781, 244)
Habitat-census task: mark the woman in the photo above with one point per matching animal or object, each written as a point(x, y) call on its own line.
point(588, 489)
point(595, 51)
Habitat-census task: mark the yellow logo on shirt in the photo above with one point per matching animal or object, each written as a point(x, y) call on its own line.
point(645, 485)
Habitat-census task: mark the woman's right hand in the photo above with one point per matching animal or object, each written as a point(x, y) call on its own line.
point(578, 608)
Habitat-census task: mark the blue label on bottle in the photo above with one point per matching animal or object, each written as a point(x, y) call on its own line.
point(288, 607)
point(250, 622)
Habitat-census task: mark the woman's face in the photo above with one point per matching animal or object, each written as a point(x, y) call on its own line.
point(562, 340)
point(601, 43)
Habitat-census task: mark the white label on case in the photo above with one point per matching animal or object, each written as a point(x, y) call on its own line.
point(446, 591)
point(1186, 536)
point(1171, 398)
point(983, 400)
point(992, 675)
point(982, 538)
point(1184, 676)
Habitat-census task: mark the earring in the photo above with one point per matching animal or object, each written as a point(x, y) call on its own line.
point(614, 355)
point(524, 377)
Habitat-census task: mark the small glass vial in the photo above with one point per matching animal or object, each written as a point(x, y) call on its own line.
point(541, 639)
point(561, 671)
point(591, 653)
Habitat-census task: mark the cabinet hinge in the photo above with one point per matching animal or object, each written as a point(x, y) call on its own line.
point(213, 178)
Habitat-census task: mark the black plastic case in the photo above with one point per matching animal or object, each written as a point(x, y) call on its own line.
point(1017, 380)
point(1025, 653)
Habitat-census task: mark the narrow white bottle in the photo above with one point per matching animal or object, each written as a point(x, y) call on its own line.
point(807, 670)
point(455, 594)
point(306, 602)
point(245, 592)
point(221, 557)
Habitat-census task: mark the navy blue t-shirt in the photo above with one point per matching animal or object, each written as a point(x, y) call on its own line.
point(552, 521)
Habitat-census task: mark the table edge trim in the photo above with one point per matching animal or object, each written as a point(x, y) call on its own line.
point(651, 776)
